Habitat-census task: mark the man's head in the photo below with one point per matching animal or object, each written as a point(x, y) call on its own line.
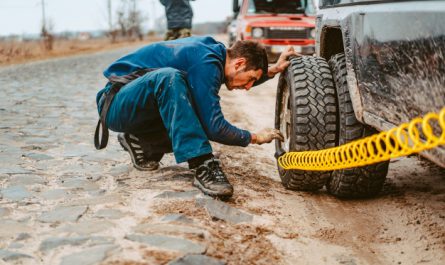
point(246, 62)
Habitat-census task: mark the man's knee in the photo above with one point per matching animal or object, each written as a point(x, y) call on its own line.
point(171, 73)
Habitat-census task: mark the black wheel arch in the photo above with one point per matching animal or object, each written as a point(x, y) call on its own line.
point(331, 42)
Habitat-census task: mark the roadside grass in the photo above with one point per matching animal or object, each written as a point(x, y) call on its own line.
point(13, 52)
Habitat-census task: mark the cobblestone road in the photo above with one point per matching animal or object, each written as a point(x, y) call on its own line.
point(56, 189)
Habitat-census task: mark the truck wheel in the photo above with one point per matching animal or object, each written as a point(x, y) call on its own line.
point(357, 182)
point(305, 113)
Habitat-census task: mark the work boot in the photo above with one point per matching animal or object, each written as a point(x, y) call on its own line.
point(171, 34)
point(131, 144)
point(184, 33)
point(211, 180)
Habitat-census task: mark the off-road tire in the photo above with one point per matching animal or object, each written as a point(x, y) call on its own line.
point(312, 106)
point(360, 182)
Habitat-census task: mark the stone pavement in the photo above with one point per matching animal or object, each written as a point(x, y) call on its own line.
point(63, 202)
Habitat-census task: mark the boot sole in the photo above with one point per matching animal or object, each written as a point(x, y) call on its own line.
point(124, 144)
point(212, 193)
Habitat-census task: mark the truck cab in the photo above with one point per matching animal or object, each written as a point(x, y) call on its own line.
point(276, 24)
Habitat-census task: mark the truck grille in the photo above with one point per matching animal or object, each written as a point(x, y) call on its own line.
point(286, 34)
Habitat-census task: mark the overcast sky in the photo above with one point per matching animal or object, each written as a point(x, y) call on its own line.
point(25, 16)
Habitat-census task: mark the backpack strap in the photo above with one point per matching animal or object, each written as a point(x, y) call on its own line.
point(101, 134)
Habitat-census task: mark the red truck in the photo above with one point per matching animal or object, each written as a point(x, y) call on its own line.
point(276, 24)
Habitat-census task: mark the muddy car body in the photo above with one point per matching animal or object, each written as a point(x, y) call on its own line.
point(395, 58)
point(387, 67)
point(276, 24)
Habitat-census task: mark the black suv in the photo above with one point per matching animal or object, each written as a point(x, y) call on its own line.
point(379, 63)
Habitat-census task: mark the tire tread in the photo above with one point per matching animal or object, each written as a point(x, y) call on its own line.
point(360, 182)
point(314, 117)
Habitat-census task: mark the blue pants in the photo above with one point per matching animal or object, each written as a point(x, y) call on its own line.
point(159, 103)
point(179, 13)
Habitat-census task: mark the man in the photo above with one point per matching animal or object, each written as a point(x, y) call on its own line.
point(174, 105)
point(179, 15)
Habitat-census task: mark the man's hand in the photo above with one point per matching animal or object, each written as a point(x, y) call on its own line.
point(283, 62)
point(266, 136)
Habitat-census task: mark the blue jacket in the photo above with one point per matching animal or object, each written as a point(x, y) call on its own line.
point(202, 59)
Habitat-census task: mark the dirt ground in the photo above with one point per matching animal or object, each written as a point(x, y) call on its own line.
point(48, 166)
point(403, 225)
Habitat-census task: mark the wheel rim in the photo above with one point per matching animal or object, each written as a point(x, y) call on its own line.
point(285, 119)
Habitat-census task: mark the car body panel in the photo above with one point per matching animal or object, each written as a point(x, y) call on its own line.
point(395, 53)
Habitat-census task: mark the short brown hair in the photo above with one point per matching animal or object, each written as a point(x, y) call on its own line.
point(254, 52)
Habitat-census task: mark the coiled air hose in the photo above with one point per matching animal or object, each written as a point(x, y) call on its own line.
point(413, 137)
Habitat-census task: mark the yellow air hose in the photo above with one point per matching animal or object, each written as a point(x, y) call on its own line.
point(408, 138)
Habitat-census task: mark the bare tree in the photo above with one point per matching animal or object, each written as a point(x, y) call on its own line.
point(112, 33)
point(130, 19)
point(45, 34)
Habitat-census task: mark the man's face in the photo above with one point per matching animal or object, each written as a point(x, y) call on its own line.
point(238, 78)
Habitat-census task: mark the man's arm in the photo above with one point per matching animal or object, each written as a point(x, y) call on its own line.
point(281, 65)
point(205, 81)
point(266, 136)
point(283, 62)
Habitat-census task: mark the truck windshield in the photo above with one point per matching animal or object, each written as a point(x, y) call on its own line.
point(279, 7)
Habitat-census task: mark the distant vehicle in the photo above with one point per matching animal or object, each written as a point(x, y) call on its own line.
point(276, 24)
point(378, 64)
point(231, 30)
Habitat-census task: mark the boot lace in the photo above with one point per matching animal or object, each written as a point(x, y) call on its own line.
point(216, 173)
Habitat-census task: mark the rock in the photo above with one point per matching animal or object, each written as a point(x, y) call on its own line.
point(76, 151)
point(63, 214)
point(179, 218)
point(40, 141)
point(54, 194)
point(117, 171)
point(15, 193)
point(4, 212)
point(78, 183)
point(109, 214)
point(343, 259)
point(14, 170)
point(54, 242)
point(38, 157)
point(96, 193)
point(86, 227)
point(169, 243)
point(26, 180)
point(223, 211)
point(16, 245)
point(178, 194)
point(23, 236)
point(7, 255)
point(106, 199)
point(169, 229)
point(196, 260)
point(89, 256)
point(10, 228)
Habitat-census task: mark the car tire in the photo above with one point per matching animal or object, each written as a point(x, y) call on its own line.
point(305, 113)
point(360, 182)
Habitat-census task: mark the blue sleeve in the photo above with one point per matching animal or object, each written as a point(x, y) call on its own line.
point(205, 81)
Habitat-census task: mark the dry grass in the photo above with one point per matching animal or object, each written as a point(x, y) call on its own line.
point(13, 52)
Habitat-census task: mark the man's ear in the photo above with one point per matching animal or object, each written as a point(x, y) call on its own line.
point(240, 62)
